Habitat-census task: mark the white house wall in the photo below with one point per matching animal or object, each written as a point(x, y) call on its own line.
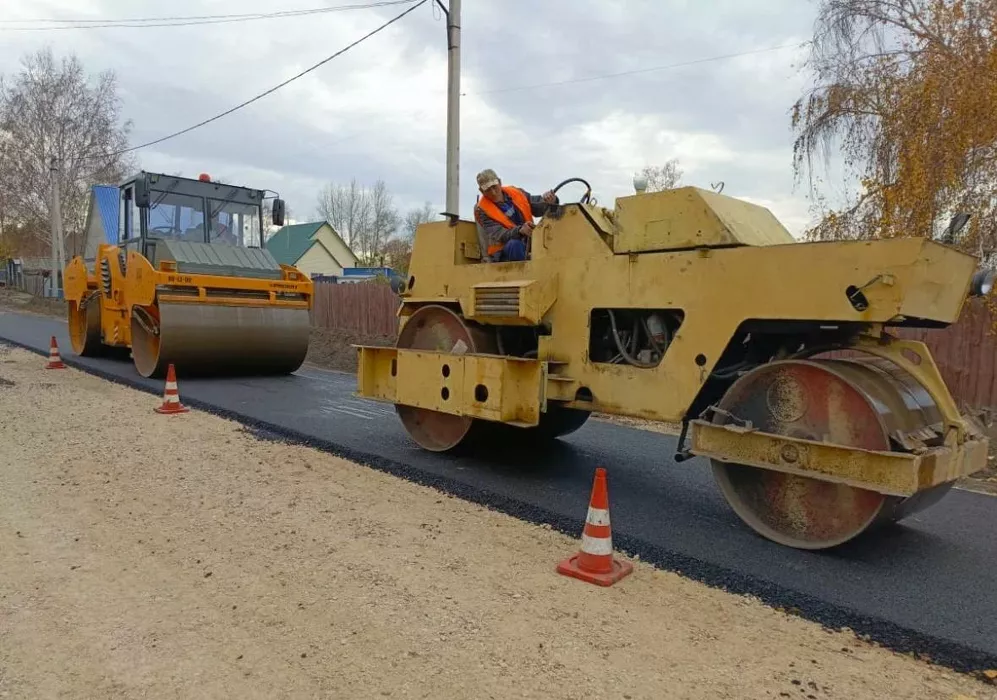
point(318, 261)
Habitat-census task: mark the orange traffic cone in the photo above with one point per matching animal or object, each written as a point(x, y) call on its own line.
point(594, 562)
point(171, 397)
point(54, 359)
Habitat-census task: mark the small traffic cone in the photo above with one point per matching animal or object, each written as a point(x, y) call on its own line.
point(594, 562)
point(54, 358)
point(171, 397)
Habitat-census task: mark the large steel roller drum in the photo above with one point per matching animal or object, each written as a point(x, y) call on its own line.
point(858, 403)
point(217, 340)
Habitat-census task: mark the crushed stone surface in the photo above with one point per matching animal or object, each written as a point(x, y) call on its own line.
point(178, 556)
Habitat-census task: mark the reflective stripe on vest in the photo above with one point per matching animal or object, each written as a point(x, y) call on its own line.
point(491, 208)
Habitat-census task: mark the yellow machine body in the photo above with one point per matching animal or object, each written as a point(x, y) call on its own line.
point(207, 308)
point(746, 321)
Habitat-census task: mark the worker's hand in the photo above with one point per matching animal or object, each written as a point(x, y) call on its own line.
point(549, 197)
point(526, 229)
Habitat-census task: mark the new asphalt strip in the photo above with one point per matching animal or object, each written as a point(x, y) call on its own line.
point(926, 585)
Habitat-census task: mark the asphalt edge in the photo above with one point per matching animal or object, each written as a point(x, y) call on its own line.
point(926, 648)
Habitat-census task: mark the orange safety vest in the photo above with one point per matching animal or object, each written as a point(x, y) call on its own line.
point(519, 201)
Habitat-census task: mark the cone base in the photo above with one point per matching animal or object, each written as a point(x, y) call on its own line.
point(174, 408)
point(621, 569)
point(55, 365)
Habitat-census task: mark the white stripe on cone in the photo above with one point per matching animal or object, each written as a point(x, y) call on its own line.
point(597, 546)
point(598, 516)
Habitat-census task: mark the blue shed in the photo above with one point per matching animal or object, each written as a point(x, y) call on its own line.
point(102, 218)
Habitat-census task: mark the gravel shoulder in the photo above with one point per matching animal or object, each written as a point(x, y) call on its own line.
point(180, 556)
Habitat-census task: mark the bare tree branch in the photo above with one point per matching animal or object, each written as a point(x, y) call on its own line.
point(662, 177)
point(53, 108)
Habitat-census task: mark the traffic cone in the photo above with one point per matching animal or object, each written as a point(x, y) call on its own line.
point(594, 562)
point(171, 397)
point(54, 359)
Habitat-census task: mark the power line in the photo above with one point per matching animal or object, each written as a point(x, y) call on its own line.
point(271, 90)
point(517, 88)
point(186, 21)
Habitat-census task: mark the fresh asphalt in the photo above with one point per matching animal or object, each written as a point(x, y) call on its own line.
point(928, 584)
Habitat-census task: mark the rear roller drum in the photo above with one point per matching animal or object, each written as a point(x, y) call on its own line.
point(84, 328)
point(856, 403)
point(85, 333)
point(438, 329)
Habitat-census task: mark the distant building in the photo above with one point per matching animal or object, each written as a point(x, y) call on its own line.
point(365, 274)
point(314, 248)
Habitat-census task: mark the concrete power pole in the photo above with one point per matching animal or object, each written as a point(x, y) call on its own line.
point(453, 108)
point(55, 212)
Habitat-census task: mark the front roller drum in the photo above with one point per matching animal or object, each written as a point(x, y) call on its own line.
point(217, 340)
point(855, 403)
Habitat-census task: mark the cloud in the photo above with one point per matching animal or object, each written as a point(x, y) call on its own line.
point(379, 111)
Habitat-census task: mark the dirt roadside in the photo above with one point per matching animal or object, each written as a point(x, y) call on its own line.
point(332, 349)
point(179, 556)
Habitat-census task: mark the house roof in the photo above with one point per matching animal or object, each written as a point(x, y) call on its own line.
point(292, 241)
point(104, 203)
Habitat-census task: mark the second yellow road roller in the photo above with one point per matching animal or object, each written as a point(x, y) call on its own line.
point(187, 281)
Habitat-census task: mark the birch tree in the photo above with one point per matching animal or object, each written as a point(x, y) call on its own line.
point(54, 108)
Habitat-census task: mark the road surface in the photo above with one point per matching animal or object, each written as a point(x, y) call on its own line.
point(928, 584)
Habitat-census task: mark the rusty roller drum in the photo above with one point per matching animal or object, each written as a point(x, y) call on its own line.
point(438, 329)
point(857, 403)
point(217, 340)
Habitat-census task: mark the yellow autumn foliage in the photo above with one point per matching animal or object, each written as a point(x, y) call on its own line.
point(906, 93)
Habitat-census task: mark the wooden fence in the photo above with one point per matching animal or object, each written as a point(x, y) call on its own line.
point(966, 353)
point(365, 308)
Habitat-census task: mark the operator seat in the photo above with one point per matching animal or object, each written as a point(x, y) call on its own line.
point(482, 243)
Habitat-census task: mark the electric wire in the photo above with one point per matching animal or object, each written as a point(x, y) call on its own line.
point(267, 92)
point(708, 59)
point(186, 21)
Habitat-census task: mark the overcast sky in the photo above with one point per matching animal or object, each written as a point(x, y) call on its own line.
point(379, 111)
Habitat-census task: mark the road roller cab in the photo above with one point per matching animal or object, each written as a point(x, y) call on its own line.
point(778, 358)
point(186, 281)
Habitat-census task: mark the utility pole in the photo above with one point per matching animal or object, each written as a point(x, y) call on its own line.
point(453, 108)
point(55, 213)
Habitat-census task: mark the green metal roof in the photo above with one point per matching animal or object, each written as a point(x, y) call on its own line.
point(293, 241)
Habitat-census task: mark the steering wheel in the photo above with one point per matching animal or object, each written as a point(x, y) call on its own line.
point(585, 198)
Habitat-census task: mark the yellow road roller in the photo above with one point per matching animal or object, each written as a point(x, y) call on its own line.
point(779, 358)
point(187, 281)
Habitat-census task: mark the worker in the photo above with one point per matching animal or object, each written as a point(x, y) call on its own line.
point(504, 215)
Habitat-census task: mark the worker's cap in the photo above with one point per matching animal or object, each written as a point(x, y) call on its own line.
point(487, 178)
